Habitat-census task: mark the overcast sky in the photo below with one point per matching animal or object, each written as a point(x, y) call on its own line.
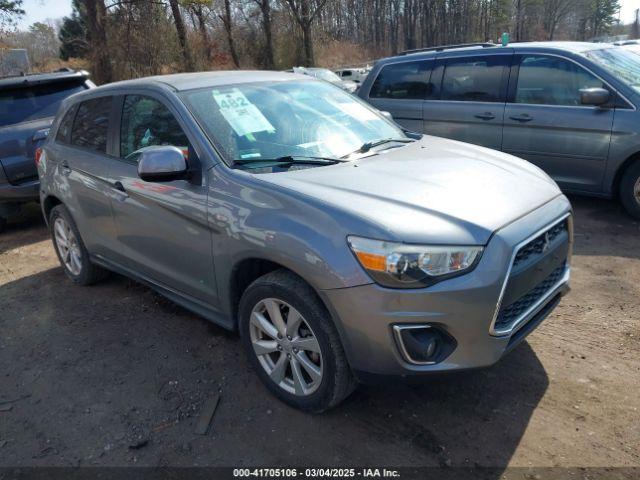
point(42, 10)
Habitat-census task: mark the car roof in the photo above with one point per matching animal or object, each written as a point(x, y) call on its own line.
point(24, 81)
point(190, 81)
point(573, 47)
point(42, 78)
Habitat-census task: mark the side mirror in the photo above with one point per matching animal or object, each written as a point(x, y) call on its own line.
point(594, 96)
point(161, 163)
point(387, 115)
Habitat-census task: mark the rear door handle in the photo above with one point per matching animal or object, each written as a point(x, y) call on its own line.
point(525, 117)
point(485, 116)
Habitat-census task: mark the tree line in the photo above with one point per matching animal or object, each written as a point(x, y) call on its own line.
point(133, 38)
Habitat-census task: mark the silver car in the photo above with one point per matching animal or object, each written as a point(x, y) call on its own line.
point(570, 108)
point(339, 247)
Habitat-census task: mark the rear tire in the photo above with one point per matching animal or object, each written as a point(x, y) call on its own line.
point(630, 190)
point(301, 359)
point(3, 224)
point(70, 249)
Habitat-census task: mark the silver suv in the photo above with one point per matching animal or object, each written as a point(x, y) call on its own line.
point(570, 108)
point(339, 247)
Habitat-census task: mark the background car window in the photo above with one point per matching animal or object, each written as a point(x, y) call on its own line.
point(147, 122)
point(552, 81)
point(65, 126)
point(408, 80)
point(39, 101)
point(474, 79)
point(91, 125)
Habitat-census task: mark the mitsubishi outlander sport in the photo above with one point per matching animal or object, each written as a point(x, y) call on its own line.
point(341, 248)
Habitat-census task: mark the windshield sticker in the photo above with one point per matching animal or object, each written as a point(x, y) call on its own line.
point(243, 116)
point(357, 111)
point(250, 154)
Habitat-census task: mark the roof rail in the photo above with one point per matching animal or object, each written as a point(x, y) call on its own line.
point(440, 48)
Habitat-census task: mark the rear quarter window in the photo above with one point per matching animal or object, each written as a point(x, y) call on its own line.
point(64, 130)
point(91, 124)
point(33, 103)
point(406, 80)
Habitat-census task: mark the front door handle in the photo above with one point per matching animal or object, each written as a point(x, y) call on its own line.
point(485, 116)
point(120, 187)
point(66, 169)
point(525, 117)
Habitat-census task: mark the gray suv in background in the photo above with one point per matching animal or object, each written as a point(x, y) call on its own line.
point(569, 108)
point(28, 104)
point(282, 207)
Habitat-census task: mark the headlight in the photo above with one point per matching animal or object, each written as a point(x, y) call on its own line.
point(399, 265)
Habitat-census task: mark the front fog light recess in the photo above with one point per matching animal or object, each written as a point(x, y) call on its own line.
point(423, 344)
point(400, 265)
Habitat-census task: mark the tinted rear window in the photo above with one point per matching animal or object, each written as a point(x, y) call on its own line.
point(91, 124)
point(474, 79)
point(40, 101)
point(407, 80)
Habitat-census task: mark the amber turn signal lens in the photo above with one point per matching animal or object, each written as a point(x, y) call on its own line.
point(371, 261)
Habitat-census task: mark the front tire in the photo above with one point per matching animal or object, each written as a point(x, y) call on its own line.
point(3, 224)
point(630, 190)
point(70, 248)
point(292, 343)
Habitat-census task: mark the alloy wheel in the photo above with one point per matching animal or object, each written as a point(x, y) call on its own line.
point(636, 190)
point(67, 245)
point(286, 347)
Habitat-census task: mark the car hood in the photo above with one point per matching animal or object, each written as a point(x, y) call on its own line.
point(433, 190)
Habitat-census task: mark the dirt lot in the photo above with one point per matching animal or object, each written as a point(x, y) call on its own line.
point(93, 371)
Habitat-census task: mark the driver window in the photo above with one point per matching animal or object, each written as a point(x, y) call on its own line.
point(547, 80)
point(147, 122)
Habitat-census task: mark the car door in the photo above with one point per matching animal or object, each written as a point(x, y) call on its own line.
point(401, 89)
point(161, 226)
point(546, 123)
point(470, 107)
point(80, 154)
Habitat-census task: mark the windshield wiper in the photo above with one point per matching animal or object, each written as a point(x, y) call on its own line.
point(369, 145)
point(290, 160)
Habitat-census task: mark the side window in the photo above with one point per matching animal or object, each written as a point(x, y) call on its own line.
point(65, 126)
point(346, 73)
point(476, 79)
point(407, 80)
point(546, 80)
point(147, 122)
point(91, 124)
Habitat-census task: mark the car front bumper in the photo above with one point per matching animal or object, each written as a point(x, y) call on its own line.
point(463, 307)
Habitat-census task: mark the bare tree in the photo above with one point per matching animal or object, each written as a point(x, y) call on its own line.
point(227, 21)
point(182, 35)
point(97, 33)
point(265, 10)
point(305, 14)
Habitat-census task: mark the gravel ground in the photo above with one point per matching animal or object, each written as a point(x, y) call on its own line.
point(115, 375)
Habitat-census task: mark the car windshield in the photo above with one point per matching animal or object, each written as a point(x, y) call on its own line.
point(272, 120)
point(27, 104)
point(621, 62)
point(323, 74)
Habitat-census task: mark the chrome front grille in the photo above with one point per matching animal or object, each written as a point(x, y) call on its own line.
point(509, 315)
point(538, 268)
point(537, 245)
